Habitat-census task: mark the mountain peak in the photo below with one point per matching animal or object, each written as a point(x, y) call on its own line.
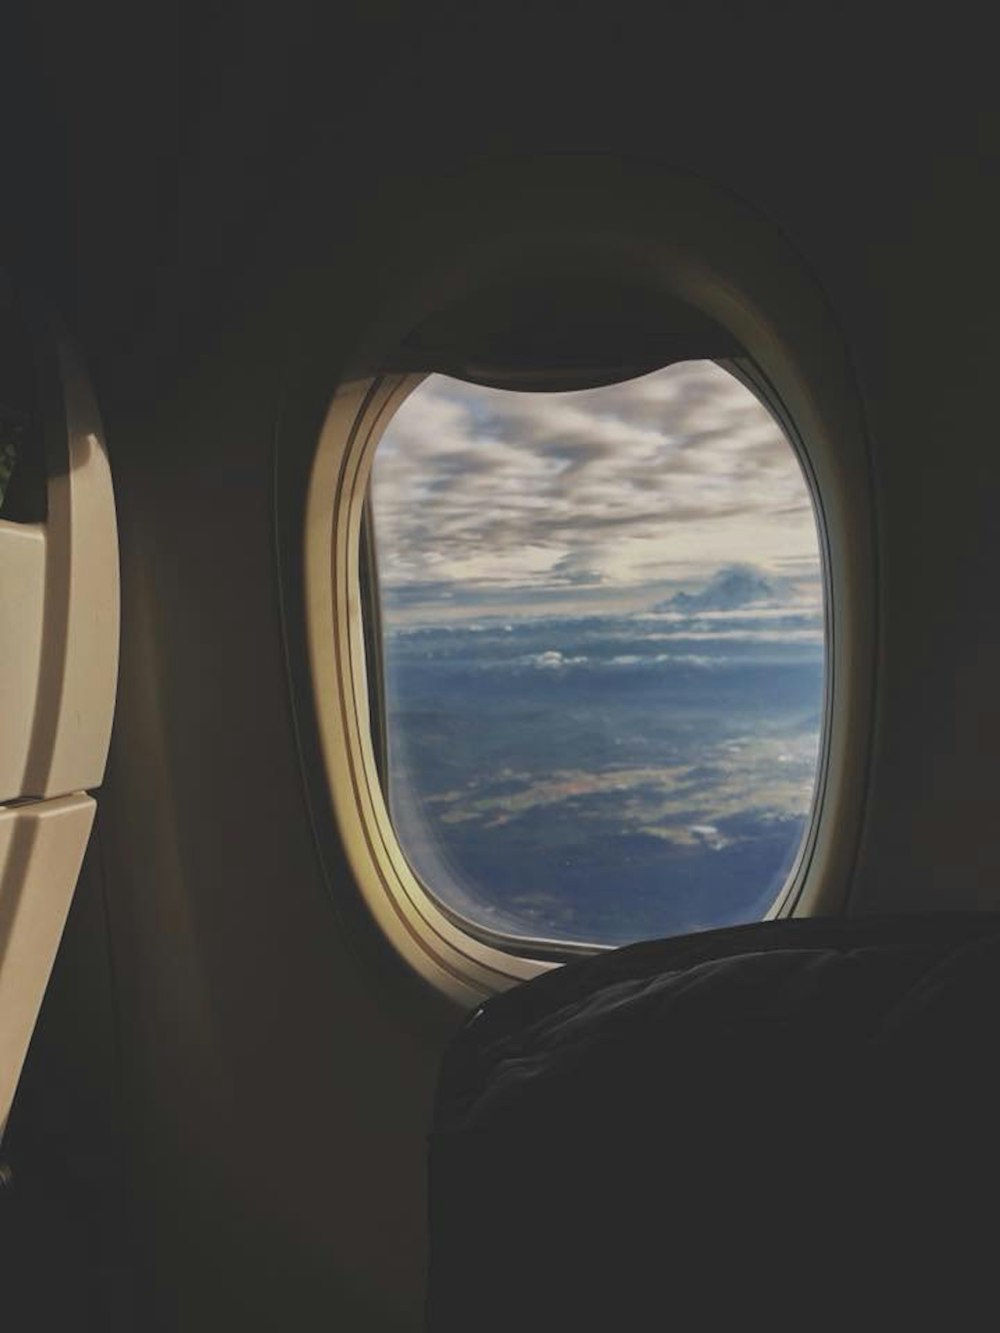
point(730, 588)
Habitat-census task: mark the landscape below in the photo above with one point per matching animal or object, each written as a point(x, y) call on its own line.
point(603, 778)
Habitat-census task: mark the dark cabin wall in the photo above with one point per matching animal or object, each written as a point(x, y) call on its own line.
point(213, 190)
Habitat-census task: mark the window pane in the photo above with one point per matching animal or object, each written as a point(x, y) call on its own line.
point(603, 652)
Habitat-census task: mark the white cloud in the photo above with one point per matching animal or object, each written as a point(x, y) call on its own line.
point(553, 660)
point(664, 478)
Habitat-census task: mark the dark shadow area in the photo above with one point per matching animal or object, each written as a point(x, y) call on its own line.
point(791, 1123)
point(67, 1244)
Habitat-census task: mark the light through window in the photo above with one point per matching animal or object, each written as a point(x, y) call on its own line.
point(603, 653)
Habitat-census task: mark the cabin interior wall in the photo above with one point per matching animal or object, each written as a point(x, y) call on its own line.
point(276, 1081)
point(261, 1049)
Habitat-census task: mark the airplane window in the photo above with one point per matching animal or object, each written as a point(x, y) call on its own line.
point(602, 653)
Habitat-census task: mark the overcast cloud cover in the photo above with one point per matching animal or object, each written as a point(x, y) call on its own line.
point(488, 501)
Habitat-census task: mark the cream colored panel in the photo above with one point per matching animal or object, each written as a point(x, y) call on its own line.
point(79, 668)
point(58, 676)
point(41, 850)
point(22, 593)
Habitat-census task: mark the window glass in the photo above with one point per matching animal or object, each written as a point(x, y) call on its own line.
point(603, 652)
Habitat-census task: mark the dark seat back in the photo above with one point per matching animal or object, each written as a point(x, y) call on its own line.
point(783, 1121)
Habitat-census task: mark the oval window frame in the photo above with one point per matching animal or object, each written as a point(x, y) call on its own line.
point(698, 245)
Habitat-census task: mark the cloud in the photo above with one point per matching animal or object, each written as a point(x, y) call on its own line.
point(571, 571)
point(417, 592)
point(657, 481)
point(552, 660)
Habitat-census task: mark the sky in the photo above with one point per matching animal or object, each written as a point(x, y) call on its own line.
point(494, 502)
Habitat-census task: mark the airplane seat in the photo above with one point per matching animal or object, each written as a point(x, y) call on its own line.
point(794, 1120)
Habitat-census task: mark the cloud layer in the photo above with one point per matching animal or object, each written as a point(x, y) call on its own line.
point(486, 499)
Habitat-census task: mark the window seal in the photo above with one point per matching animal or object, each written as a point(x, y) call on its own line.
point(371, 602)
